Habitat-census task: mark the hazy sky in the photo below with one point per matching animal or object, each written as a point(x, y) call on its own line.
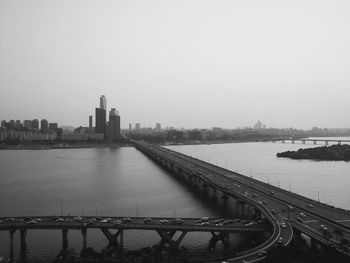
point(181, 63)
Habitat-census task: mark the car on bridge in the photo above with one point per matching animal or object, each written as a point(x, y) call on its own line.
point(178, 221)
point(163, 221)
point(147, 220)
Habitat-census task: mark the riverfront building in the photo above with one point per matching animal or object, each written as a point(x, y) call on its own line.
point(114, 125)
point(100, 119)
point(44, 125)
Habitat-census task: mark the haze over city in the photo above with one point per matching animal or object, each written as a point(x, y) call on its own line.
point(192, 64)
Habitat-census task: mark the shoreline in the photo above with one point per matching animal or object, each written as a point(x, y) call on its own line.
point(62, 146)
point(109, 145)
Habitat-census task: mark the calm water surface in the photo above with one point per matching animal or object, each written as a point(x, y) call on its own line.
point(124, 182)
point(120, 182)
point(328, 179)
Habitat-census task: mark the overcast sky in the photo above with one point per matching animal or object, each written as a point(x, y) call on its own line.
point(181, 63)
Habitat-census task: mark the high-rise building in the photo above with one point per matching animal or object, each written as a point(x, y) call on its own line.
point(100, 116)
point(130, 126)
point(137, 126)
point(53, 126)
point(5, 124)
point(158, 126)
point(27, 124)
point(11, 124)
point(100, 120)
point(18, 124)
point(103, 102)
point(90, 124)
point(35, 124)
point(114, 125)
point(44, 125)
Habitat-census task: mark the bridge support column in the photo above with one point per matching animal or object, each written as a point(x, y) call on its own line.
point(326, 142)
point(283, 141)
point(313, 244)
point(224, 237)
point(23, 234)
point(314, 142)
point(84, 233)
point(224, 197)
point(65, 238)
point(214, 193)
point(113, 238)
point(241, 207)
point(167, 238)
point(293, 141)
point(257, 214)
point(339, 142)
point(12, 249)
point(303, 141)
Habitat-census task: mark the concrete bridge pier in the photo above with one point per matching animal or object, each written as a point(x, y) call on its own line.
point(314, 142)
point(12, 249)
point(257, 214)
point(65, 238)
point(303, 141)
point(241, 207)
point(326, 142)
point(225, 197)
point(84, 233)
point(113, 238)
point(339, 142)
point(214, 193)
point(167, 237)
point(224, 237)
point(23, 234)
point(313, 244)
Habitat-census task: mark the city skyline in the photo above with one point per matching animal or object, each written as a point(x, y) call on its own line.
point(191, 64)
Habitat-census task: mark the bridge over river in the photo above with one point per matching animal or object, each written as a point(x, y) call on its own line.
point(281, 214)
point(314, 141)
point(171, 230)
point(289, 214)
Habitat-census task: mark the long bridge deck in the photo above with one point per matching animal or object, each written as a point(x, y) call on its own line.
point(323, 223)
point(128, 223)
point(166, 228)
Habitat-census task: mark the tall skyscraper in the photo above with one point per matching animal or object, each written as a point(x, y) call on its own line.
point(90, 124)
point(100, 116)
point(130, 126)
point(114, 125)
point(100, 120)
point(35, 124)
point(103, 102)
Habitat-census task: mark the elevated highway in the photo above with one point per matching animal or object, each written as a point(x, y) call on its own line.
point(170, 230)
point(297, 214)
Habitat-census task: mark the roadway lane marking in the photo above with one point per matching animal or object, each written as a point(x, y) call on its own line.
point(345, 220)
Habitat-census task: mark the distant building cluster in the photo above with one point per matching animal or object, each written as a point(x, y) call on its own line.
point(110, 130)
point(29, 130)
point(33, 130)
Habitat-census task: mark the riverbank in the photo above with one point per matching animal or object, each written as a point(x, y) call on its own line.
point(63, 146)
point(77, 145)
point(325, 153)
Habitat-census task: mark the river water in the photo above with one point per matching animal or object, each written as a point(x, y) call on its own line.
point(124, 182)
